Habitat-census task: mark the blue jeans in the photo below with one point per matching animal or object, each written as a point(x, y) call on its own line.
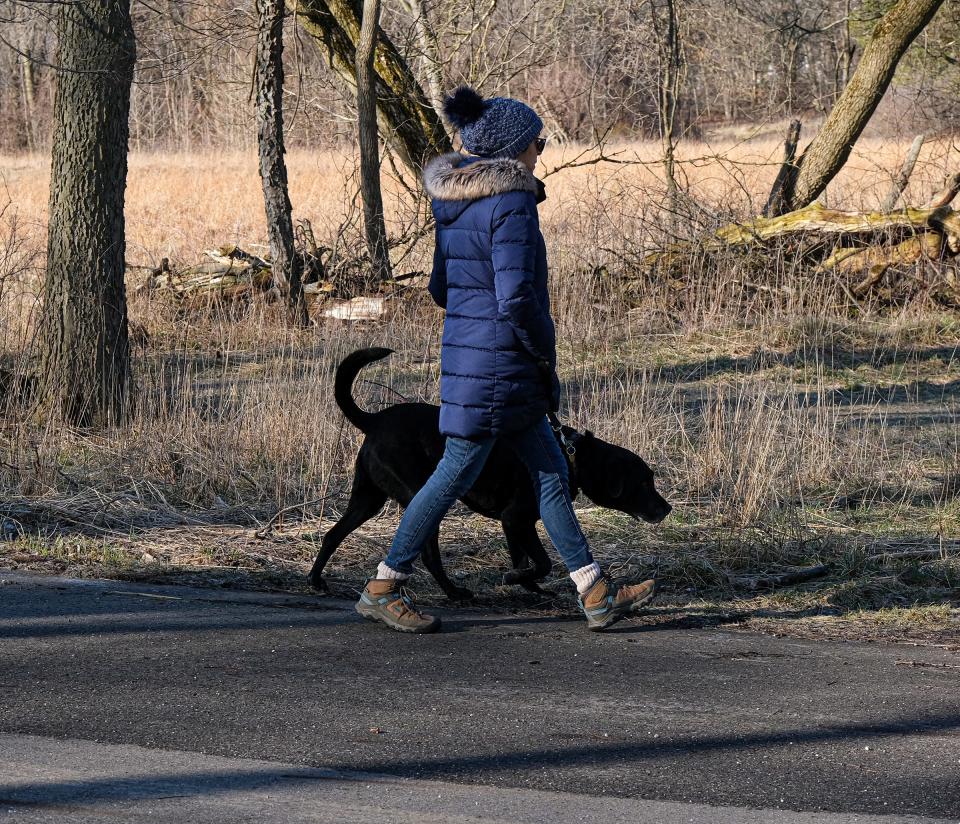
point(459, 467)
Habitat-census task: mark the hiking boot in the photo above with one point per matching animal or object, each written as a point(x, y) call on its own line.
point(604, 608)
point(383, 601)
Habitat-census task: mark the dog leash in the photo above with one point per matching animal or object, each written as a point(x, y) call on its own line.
point(566, 444)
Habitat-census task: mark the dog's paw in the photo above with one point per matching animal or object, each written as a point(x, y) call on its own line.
point(317, 582)
point(459, 594)
point(525, 577)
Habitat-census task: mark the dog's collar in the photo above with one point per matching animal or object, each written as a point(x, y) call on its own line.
point(567, 443)
point(574, 439)
point(569, 446)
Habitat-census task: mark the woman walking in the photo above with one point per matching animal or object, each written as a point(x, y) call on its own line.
point(498, 354)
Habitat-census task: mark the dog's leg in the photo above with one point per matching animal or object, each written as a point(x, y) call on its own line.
point(518, 552)
point(365, 502)
point(524, 543)
point(434, 564)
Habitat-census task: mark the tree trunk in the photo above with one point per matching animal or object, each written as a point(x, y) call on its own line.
point(901, 180)
point(27, 85)
point(829, 150)
point(407, 120)
point(787, 169)
point(273, 170)
point(845, 57)
point(374, 226)
point(430, 49)
point(84, 351)
point(670, 61)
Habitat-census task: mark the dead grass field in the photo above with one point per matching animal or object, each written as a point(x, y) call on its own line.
point(787, 427)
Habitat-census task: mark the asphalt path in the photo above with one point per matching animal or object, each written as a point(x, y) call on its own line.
point(105, 684)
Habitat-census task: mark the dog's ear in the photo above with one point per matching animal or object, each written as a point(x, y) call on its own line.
point(587, 434)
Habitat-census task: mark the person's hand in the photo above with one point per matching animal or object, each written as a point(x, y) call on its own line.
point(552, 384)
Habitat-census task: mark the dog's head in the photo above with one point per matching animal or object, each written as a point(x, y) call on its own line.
point(616, 478)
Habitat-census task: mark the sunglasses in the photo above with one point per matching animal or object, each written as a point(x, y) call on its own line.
point(541, 142)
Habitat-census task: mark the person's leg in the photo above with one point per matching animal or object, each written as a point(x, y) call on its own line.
point(381, 599)
point(459, 467)
point(538, 449)
point(541, 454)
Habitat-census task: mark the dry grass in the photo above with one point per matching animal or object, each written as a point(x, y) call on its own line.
point(784, 427)
point(178, 205)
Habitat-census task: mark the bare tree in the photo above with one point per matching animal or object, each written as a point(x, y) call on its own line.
point(589, 64)
point(374, 225)
point(774, 204)
point(407, 120)
point(845, 52)
point(285, 266)
point(829, 150)
point(666, 28)
point(900, 182)
point(429, 49)
point(29, 107)
point(84, 351)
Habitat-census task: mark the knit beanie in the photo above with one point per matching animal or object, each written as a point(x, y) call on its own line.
point(495, 127)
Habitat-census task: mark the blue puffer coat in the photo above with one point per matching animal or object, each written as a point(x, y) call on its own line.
point(498, 354)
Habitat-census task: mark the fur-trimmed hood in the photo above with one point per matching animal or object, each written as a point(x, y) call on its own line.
point(455, 176)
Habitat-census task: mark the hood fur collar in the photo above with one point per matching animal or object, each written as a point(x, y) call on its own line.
point(448, 178)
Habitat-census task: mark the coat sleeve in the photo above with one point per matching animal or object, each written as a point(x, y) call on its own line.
point(515, 243)
point(438, 277)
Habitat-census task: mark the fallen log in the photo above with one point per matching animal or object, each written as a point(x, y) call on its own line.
point(231, 274)
point(864, 245)
point(216, 281)
point(912, 555)
point(876, 260)
point(817, 218)
point(857, 258)
point(783, 579)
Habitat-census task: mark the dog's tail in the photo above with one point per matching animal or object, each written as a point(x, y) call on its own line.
point(347, 373)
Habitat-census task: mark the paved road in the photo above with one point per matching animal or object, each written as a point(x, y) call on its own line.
point(81, 782)
point(537, 711)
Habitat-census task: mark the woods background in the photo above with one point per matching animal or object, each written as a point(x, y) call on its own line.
point(794, 383)
point(588, 67)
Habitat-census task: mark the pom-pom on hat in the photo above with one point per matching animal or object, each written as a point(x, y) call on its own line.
point(495, 127)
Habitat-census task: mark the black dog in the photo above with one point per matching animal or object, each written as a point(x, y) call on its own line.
point(403, 446)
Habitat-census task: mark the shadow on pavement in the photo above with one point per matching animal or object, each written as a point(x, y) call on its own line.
point(585, 753)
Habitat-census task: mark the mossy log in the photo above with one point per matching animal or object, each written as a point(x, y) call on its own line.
point(817, 218)
point(936, 215)
point(877, 259)
point(860, 247)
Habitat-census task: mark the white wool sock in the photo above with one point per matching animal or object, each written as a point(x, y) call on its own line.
point(385, 573)
point(586, 577)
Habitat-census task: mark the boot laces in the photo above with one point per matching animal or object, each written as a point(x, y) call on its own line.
point(408, 607)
